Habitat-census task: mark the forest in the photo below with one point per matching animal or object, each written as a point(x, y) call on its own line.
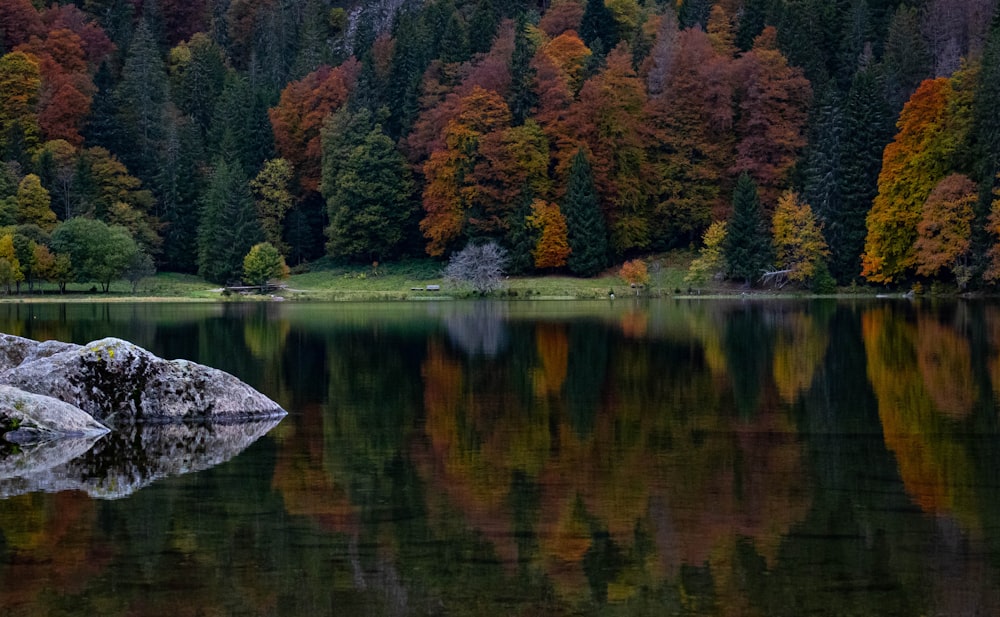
point(836, 141)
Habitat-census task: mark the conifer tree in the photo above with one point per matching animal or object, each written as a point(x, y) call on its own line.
point(522, 97)
point(520, 236)
point(588, 237)
point(597, 29)
point(229, 226)
point(179, 187)
point(748, 242)
point(141, 97)
point(867, 130)
point(985, 135)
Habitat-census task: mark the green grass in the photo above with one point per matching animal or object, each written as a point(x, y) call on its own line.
point(326, 280)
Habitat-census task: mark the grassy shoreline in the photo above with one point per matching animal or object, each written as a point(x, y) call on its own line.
point(409, 282)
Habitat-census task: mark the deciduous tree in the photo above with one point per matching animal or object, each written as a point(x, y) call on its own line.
point(711, 259)
point(34, 206)
point(932, 128)
point(297, 120)
point(274, 199)
point(799, 245)
point(552, 248)
point(774, 105)
point(262, 264)
point(944, 232)
point(20, 84)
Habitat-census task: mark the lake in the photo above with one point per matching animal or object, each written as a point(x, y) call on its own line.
point(537, 458)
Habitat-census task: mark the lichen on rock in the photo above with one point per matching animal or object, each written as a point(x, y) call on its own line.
point(116, 381)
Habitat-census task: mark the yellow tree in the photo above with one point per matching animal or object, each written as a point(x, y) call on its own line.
point(10, 266)
point(34, 204)
point(798, 242)
point(552, 247)
point(711, 260)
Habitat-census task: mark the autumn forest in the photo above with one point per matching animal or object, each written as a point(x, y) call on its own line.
point(840, 142)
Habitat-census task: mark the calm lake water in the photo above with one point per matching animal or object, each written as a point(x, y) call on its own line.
point(607, 458)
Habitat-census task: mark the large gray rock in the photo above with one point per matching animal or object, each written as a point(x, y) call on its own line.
point(116, 381)
point(31, 418)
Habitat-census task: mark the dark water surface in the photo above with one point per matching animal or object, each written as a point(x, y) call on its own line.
point(666, 458)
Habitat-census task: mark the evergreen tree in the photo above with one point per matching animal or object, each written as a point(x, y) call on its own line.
point(141, 98)
point(409, 61)
point(102, 128)
point(241, 130)
point(522, 97)
point(753, 18)
point(588, 237)
point(906, 60)
point(369, 200)
point(455, 40)
point(598, 28)
point(179, 187)
point(229, 225)
point(694, 13)
point(197, 79)
point(748, 242)
point(867, 130)
point(985, 136)
point(520, 237)
point(822, 165)
point(483, 26)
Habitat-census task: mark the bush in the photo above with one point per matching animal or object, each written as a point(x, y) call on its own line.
point(481, 266)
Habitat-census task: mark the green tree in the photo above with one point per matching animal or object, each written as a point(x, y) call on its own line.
point(197, 77)
point(588, 237)
point(273, 196)
point(141, 98)
point(99, 253)
point(985, 135)
point(34, 204)
point(180, 184)
point(369, 200)
point(748, 244)
point(229, 225)
point(598, 28)
point(866, 131)
point(262, 264)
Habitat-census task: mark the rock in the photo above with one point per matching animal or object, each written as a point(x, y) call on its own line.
point(14, 349)
point(128, 459)
point(30, 418)
point(115, 381)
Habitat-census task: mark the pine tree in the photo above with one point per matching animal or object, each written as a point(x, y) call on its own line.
point(748, 242)
point(588, 237)
point(597, 29)
point(520, 237)
point(141, 97)
point(985, 134)
point(867, 130)
point(179, 186)
point(522, 97)
point(229, 225)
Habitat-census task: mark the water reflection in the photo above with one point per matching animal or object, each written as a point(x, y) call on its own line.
point(703, 458)
point(118, 464)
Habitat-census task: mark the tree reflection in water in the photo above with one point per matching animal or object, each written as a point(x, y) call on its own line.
point(702, 458)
